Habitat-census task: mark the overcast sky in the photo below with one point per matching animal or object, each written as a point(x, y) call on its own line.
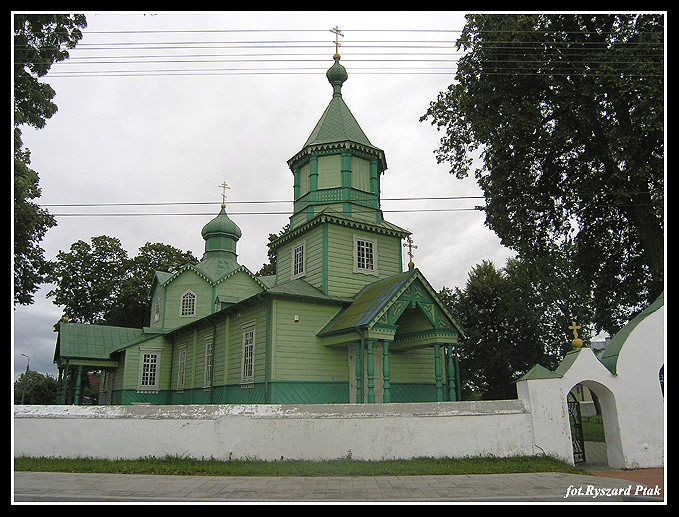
point(163, 107)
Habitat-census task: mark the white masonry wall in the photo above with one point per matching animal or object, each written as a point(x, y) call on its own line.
point(271, 432)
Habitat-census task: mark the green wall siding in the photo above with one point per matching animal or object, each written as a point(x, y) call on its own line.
point(298, 353)
point(342, 280)
point(174, 292)
point(238, 286)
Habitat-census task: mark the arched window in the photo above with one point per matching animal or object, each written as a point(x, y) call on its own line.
point(188, 304)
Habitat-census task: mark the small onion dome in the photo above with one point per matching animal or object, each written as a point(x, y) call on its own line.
point(336, 75)
point(221, 225)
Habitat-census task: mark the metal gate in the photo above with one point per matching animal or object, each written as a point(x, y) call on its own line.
point(576, 429)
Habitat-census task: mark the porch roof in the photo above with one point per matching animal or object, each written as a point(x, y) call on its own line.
point(373, 300)
point(92, 341)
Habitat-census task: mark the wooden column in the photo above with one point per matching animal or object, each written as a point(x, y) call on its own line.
point(386, 397)
point(78, 382)
point(437, 373)
point(371, 373)
point(359, 373)
point(450, 374)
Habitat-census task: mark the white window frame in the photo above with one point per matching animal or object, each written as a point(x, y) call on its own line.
point(296, 272)
point(359, 242)
point(207, 372)
point(184, 311)
point(247, 363)
point(149, 368)
point(181, 369)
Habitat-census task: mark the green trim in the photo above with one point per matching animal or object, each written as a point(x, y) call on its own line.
point(384, 228)
point(325, 258)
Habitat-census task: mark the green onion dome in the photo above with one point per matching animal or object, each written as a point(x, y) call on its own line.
point(221, 226)
point(336, 75)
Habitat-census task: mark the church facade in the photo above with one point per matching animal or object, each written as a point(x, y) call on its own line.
point(342, 320)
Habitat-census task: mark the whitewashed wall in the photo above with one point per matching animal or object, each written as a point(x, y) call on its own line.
point(269, 432)
point(633, 408)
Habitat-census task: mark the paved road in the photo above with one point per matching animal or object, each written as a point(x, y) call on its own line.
point(549, 487)
point(552, 487)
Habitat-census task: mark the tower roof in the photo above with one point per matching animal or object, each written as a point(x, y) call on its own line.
point(337, 124)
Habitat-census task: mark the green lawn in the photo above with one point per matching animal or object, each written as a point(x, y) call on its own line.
point(593, 429)
point(339, 467)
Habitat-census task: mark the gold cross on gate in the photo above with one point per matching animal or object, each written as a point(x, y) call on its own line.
point(337, 33)
point(409, 244)
point(224, 186)
point(574, 328)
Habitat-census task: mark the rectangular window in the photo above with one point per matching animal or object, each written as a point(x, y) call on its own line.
point(365, 255)
point(248, 359)
point(207, 375)
point(149, 362)
point(181, 369)
point(298, 257)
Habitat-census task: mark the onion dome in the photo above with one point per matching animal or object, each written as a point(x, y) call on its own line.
point(336, 75)
point(221, 226)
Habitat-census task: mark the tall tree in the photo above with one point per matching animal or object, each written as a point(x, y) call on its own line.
point(514, 318)
point(132, 306)
point(39, 41)
point(567, 113)
point(88, 278)
point(99, 284)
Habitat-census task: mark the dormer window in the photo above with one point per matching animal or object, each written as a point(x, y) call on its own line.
point(188, 304)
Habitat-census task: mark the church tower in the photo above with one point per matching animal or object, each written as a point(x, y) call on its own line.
point(338, 168)
point(338, 240)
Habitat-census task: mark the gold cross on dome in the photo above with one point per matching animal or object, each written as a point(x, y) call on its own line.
point(337, 33)
point(224, 186)
point(574, 328)
point(409, 244)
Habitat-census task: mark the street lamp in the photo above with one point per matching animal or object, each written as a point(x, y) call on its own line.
point(28, 363)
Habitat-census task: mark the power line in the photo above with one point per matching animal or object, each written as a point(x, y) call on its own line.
point(288, 213)
point(259, 201)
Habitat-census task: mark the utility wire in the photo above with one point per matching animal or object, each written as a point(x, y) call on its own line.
point(166, 203)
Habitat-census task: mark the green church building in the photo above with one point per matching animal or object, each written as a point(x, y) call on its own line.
point(341, 321)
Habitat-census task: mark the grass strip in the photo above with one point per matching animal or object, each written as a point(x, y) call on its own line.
point(285, 467)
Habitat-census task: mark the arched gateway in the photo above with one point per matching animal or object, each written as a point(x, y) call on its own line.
point(626, 382)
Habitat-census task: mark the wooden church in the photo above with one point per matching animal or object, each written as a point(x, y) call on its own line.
point(341, 321)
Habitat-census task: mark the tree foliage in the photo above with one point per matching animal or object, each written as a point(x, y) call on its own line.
point(39, 41)
point(97, 283)
point(35, 388)
point(567, 112)
point(270, 267)
point(514, 318)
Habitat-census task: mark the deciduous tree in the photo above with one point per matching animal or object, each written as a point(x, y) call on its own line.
point(567, 114)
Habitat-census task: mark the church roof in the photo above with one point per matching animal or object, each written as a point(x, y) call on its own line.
point(374, 299)
point(337, 124)
point(367, 303)
point(333, 216)
point(80, 340)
